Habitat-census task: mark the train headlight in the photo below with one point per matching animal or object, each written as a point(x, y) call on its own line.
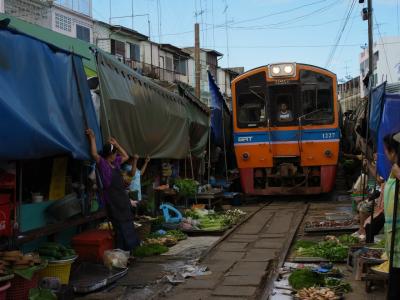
point(282, 70)
point(276, 70)
point(288, 69)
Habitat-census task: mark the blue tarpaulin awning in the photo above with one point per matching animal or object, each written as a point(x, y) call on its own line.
point(377, 103)
point(390, 123)
point(41, 111)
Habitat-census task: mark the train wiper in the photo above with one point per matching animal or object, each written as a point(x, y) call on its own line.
point(311, 113)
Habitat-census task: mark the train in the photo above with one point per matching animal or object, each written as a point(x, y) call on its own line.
point(286, 129)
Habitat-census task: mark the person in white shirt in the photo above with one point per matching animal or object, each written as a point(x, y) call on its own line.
point(285, 115)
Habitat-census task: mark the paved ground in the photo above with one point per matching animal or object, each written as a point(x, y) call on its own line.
point(241, 263)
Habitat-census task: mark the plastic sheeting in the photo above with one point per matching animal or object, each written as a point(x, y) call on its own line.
point(220, 116)
point(41, 111)
point(377, 102)
point(145, 118)
point(390, 123)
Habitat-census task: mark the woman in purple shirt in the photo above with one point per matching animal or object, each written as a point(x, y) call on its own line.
point(114, 193)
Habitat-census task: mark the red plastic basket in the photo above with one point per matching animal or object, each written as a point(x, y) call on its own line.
point(20, 287)
point(3, 290)
point(90, 245)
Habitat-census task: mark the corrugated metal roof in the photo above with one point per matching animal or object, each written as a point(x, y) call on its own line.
point(393, 88)
point(59, 40)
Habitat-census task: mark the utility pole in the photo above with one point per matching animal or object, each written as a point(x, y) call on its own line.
point(197, 59)
point(370, 45)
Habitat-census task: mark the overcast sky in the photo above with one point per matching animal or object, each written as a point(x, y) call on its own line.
point(259, 32)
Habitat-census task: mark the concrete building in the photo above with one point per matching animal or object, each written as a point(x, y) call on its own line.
point(1, 6)
point(208, 61)
point(72, 18)
point(349, 94)
point(163, 62)
point(386, 62)
point(124, 43)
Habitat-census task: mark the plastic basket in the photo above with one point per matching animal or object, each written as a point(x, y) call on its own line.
point(60, 269)
point(20, 287)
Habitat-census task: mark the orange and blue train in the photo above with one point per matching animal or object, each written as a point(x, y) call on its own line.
point(286, 129)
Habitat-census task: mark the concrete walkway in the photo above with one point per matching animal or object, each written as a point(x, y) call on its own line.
point(243, 261)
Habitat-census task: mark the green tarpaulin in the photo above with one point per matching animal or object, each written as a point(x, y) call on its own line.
point(146, 118)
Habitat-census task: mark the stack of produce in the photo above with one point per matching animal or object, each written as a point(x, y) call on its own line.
point(203, 219)
point(55, 251)
point(332, 248)
point(17, 260)
point(166, 238)
point(316, 293)
point(149, 250)
point(313, 285)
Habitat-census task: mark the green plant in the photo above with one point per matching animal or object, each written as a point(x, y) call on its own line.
point(304, 244)
point(348, 240)
point(149, 250)
point(330, 250)
point(186, 187)
point(305, 278)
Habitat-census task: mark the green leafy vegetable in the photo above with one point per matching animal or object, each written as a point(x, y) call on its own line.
point(149, 250)
point(305, 278)
point(348, 240)
point(338, 285)
point(304, 244)
point(330, 250)
point(186, 187)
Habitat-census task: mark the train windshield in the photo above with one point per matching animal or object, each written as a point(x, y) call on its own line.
point(316, 98)
point(251, 99)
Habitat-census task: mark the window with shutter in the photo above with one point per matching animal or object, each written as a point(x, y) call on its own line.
point(134, 52)
point(83, 33)
point(117, 48)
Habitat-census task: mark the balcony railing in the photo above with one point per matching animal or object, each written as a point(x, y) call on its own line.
point(152, 71)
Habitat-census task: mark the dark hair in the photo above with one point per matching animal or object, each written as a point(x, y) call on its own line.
point(108, 149)
point(390, 143)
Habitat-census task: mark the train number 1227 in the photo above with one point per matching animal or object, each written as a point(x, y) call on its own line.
point(328, 135)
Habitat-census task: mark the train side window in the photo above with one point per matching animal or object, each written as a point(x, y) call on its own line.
point(250, 101)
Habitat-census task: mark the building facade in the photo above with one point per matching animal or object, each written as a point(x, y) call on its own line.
point(386, 62)
point(1, 6)
point(349, 94)
point(163, 62)
point(72, 18)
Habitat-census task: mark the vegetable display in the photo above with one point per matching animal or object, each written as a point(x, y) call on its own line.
point(305, 278)
point(209, 220)
point(17, 260)
point(186, 187)
point(55, 251)
point(149, 250)
point(316, 293)
point(338, 285)
point(332, 248)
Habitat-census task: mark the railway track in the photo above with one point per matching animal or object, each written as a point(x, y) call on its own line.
point(244, 261)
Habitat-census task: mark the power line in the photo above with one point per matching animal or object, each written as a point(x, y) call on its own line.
point(213, 26)
point(398, 23)
point(226, 32)
point(295, 26)
point(297, 46)
point(280, 12)
point(384, 50)
point(292, 20)
point(286, 22)
point(340, 33)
